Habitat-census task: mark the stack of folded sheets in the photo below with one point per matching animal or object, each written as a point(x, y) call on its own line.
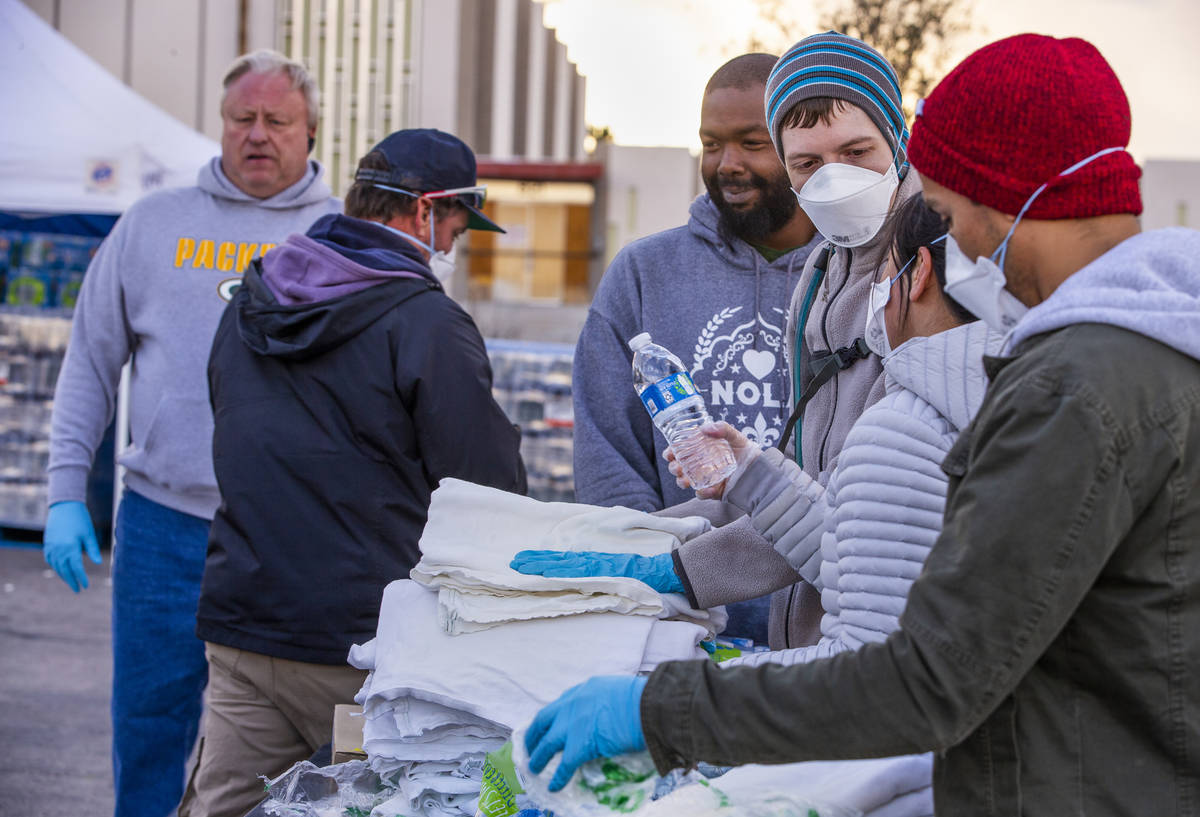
point(435, 704)
point(469, 649)
point(474, 531)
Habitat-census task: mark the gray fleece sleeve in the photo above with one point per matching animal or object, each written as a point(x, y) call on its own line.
point(731, 563)
point(786, 507)
point(86, 393)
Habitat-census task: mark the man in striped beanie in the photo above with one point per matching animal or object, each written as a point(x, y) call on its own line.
point(838, 100)
point(835, 115)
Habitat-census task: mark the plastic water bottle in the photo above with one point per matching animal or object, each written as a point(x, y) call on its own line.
point(678, 410)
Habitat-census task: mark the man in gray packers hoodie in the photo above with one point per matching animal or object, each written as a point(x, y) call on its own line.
point(715, 293)
point(152, 297)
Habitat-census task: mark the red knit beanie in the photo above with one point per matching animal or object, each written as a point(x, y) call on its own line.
point(1016, 114)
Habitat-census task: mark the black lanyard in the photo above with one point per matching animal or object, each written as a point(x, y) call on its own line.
point(824, 365)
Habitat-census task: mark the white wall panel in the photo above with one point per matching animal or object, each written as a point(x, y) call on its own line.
point(97, 27)
point(219, 50)
point(165, 46)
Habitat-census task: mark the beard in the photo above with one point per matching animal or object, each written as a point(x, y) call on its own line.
point(774, 209)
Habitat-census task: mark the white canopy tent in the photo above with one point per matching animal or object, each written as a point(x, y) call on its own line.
point(74, 138)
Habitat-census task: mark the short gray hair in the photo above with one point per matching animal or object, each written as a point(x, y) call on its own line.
point(266, 61)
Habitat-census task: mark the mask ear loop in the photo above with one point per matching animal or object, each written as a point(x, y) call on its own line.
point(1002, 250)
point(914, 257)
point(430, 247)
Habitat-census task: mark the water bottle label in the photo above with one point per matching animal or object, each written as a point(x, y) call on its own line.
point(667, 392)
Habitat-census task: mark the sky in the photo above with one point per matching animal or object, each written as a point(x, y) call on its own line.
point(646, 61)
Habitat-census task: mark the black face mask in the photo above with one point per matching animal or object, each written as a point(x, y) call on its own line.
point(774, 210)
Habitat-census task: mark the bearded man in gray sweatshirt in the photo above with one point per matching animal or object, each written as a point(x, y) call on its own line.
point(152, 297)
point(715, 292)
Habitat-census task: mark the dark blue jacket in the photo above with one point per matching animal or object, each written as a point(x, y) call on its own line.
point(334, 421)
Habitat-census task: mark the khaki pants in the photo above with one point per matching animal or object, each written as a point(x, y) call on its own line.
point(264, 715)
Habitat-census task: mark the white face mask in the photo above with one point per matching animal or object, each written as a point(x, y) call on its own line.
point(443, 267)
point(875, 333)
point(847, 203)
point(979, 285)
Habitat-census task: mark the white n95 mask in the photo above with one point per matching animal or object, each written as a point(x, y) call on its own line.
point(847, 203)
point(442, 264)
point(979, 286)
point(875, 332)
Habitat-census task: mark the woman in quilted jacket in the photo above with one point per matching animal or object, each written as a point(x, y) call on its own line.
point(862, 540)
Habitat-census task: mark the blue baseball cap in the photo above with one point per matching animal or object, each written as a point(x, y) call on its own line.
point(432, 163)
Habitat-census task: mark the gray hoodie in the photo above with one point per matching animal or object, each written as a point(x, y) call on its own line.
point(154, 294)
point(1147, 284)
point(718, 305)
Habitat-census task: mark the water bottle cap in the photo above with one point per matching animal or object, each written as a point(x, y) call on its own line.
point(638, 341)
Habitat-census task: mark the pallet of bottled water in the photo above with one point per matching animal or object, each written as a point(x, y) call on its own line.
point(532, 384)
point(31, 353)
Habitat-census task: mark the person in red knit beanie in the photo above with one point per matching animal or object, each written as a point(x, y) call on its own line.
point(1047, 652)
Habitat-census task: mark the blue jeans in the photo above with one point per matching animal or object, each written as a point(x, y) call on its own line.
point(159, 670)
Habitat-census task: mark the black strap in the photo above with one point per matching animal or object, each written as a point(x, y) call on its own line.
point(824, 366)
point(800, 350)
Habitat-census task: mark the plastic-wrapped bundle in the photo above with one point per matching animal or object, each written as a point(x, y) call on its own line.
point(629, 784)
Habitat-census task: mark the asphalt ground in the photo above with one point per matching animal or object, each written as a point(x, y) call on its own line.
point(55, 679)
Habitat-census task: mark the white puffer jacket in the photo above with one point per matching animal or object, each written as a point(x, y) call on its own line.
point(863, 540)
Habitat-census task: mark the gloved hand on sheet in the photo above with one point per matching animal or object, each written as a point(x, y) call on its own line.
point(602, 717)
point(656, 571)
point(68, 534)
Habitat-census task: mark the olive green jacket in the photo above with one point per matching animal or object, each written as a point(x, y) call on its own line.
point(1050, 651)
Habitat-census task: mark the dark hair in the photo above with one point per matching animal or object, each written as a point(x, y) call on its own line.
point(742, 72)
point(365, 201)
point(911, 226)
point(807, 113)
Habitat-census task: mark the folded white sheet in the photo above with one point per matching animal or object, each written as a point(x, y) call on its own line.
point(473, 532)
point(434, 704)
point(503, 675)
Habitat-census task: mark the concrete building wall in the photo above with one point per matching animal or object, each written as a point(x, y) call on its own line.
point(172, 52)
point(488, 70)
point(1171, 193)
point(437, 69)
point(648, 189)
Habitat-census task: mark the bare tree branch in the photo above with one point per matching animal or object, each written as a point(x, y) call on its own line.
point(914, 35)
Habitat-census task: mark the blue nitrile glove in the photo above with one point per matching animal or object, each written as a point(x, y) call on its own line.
point(656, 571)
point(601, 717)
point(68, 533)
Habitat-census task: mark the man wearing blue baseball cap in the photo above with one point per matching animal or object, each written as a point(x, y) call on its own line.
point(345, 384)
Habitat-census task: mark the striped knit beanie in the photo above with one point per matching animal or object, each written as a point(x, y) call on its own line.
point(1017, 113)
point(841, 67)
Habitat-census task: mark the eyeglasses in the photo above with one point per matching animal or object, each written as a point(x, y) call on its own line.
point(475, 195)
